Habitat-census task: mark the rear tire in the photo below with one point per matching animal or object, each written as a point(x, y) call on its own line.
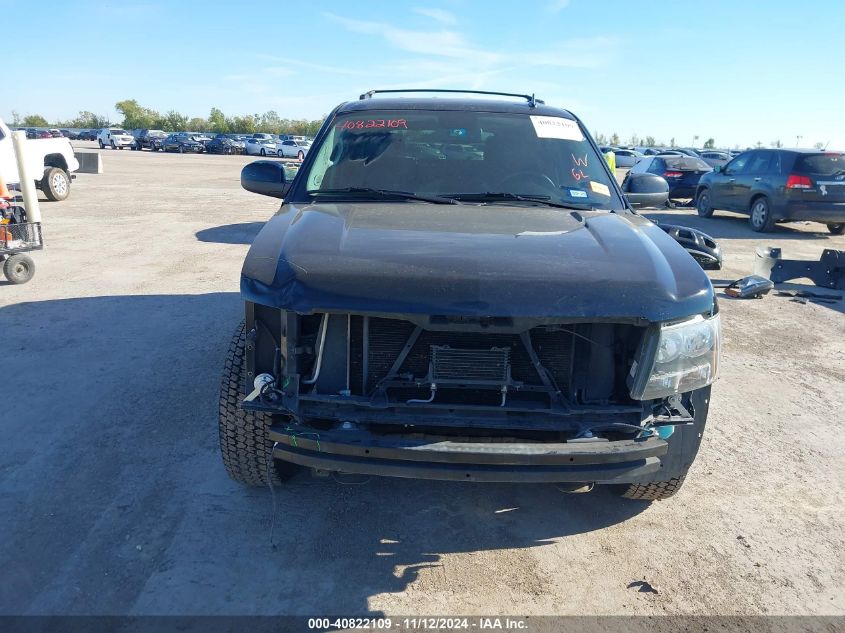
point(244, 435)
point(100, 141)
point(836, 229)
point(654, 491)
point(760, 217)
point(704, 204)
point(113, 146)
point(19, 269)
point(55, 184)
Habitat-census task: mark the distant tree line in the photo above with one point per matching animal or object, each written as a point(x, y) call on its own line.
point(135, 116)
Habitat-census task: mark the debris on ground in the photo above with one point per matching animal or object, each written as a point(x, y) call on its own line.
point(751, 287)
point(643, 586)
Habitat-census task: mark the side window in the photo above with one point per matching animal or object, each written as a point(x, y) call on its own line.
point(737, 164)
point(641, 166)
point(759, 163)
point(775, 165)
point(658, 166)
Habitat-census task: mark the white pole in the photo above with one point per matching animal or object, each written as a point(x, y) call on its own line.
point(30, 197)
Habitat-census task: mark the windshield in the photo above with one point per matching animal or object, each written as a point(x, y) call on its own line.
point(450, 153)
point(119, 132)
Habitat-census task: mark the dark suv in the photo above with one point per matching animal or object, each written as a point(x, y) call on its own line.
point(778, 185)
point(456, 288)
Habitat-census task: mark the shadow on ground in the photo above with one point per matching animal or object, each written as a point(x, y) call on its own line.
point(243, 233)
point(115, 499)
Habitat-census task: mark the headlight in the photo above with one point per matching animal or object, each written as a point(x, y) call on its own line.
point(676, 358)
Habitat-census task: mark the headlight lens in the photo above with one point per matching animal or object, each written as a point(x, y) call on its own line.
point(686, 358)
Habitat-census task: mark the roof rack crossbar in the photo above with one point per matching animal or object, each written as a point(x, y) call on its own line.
point(532, 100)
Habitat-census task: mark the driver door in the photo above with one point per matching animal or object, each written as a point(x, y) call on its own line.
point(724, 186)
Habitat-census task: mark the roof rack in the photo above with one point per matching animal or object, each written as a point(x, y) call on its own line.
point(532, 101)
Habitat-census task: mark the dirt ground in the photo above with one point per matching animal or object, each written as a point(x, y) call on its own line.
point(114, 499)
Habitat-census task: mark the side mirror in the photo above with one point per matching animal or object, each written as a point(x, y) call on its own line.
point(266, 177)
point(645, 190)
point(719, 169)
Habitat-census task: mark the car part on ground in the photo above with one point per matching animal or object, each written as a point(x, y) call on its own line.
point(751, 287)
point(828, 272)
point(805, 295)
point(703, 248)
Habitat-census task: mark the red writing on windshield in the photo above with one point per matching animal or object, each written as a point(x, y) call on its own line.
point(373, 123)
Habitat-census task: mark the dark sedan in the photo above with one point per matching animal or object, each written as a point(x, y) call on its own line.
point(182, 144)
point(681, 172)
point(778, 185)
point(224, 144)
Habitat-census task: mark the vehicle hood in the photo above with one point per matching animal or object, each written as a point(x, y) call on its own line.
point(471, 260)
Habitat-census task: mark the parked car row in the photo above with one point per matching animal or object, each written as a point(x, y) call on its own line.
point(259, 144)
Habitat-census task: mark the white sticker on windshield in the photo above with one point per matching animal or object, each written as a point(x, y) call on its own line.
point(556, 127)
point(600, 188)
point(577, 193)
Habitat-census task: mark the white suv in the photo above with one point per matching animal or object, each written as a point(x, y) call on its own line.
point(115, 137)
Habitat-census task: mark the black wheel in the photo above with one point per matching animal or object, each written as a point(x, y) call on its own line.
point(244, 438)
point(761, 219)
point(181, 149)
point(263, 153)
point(55, 184)
point(19, 269)
point(300, 155)
point(653, 491)
point(113, 146)
point(280, 153)
point(100, 141)
point(836, 229)
point(704, 204)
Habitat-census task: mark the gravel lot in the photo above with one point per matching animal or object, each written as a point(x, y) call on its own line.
point(114, 499)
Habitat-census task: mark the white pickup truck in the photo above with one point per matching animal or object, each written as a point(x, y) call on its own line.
point(50, 160)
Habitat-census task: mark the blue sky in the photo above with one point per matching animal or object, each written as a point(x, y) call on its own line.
point(739, 71)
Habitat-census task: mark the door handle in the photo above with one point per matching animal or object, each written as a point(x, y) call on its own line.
point(731, 179)
point(757, 179)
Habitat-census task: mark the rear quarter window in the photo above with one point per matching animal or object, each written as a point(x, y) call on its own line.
point(687, 163)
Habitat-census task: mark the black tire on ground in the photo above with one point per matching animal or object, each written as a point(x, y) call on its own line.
point(100, 141)
point(19, 268)
point(280, 153)
point(263, 152)
point(181, 149)
point(55, 184)
point(836, 229)
point(113, 146)
point(760, 216)
point(654, 491)
point(244, 440)
point(704, 204)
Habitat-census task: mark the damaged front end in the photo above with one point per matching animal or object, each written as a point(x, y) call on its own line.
point(480, 398)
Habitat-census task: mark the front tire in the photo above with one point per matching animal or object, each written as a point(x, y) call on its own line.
point(263, 152)
point(113, 146)
point(836, 229)
point(704, 204)
point(761, 219)
point(244, 435)
point(102, 145)
point(653, 491)
point(19, 269)
point(55, 184)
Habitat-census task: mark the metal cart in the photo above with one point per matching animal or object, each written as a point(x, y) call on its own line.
point(16, 239)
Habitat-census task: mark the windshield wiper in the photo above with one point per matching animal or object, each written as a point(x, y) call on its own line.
point(494, 196)
point(384, 193)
